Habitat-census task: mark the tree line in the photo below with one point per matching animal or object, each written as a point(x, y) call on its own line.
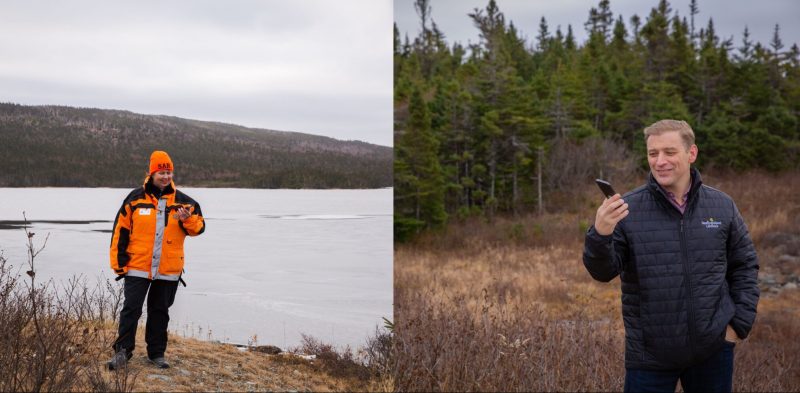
point(491, 126)
point(54, 146)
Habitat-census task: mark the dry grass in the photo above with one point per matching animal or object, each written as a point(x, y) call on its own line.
point(208, 366)
point(78, 351)
point(58, 338)
point(507, 305)
point(503, 319)
point(769, 203)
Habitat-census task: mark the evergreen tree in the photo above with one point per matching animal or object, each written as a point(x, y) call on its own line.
point(419, 186)
point(492, 106)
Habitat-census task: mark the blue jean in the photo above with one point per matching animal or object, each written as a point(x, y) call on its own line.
point(714, 374)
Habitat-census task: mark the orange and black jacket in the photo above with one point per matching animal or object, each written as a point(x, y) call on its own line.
point(147, 240)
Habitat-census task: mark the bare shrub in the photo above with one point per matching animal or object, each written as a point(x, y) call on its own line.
point(479, 310)
point(377, 353)
point(457, 343)
point(369, 369)
point(337, 363)
point(767, 361)
point(571, 164)
point(50, 336)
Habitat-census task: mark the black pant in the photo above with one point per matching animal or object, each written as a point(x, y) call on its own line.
point(160, 298)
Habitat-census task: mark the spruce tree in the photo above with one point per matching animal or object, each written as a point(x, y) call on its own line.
point(419, 186)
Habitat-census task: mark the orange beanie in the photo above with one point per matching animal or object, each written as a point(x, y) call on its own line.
point(160, 161)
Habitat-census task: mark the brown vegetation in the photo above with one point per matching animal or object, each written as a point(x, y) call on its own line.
point(58, 338)
point(199, 365)
point(49, 335)
point(506, 304)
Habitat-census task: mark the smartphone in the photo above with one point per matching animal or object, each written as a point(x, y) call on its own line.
point(605, 186)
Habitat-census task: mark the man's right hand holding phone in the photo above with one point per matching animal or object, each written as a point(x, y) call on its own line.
point(612, 211)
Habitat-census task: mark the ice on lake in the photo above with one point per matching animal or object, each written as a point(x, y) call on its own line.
point(271, 263)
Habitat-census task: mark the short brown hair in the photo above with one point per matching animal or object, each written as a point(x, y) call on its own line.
point(671, 125)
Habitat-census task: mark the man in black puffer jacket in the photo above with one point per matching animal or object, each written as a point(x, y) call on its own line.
point(688, 270)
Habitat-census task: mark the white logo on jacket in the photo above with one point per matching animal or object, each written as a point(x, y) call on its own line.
point(144, 212)
point(711, 224)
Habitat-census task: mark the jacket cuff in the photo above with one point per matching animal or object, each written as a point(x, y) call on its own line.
point(597, 238)
point(740, 330)
point(189, 224)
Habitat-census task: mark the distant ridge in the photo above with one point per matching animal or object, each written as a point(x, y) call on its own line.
point(63, 146)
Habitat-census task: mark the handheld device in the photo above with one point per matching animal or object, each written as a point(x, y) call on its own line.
point(605, 186)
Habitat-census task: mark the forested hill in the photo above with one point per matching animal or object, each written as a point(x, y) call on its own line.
point(82, 147)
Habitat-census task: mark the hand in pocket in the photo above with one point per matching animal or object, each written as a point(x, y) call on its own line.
point(730, 335)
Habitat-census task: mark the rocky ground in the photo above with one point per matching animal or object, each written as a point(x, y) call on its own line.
point(780, 263)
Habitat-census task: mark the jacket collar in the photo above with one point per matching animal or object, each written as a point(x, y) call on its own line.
point(659, 191)
point(151, 189)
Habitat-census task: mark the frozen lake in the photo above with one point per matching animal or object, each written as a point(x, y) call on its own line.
point(271, 263)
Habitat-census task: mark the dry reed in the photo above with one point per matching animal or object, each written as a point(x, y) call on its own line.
point(506, 304)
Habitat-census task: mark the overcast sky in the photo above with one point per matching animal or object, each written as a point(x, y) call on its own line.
point(316, 66)
point(730, 17)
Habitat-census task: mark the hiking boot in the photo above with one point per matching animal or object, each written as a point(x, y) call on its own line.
point(120, 360)
point(160, 362)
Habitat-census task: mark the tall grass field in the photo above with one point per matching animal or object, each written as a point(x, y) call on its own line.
point(505, 304)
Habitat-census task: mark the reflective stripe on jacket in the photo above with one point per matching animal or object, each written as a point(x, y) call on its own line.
point(147, 240)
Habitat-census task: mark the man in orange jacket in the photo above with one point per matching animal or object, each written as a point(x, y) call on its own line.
point(147, 251)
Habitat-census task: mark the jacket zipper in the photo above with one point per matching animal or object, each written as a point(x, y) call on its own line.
point(688, 276)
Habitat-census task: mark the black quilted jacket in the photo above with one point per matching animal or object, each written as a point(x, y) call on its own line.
point(684, 276)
